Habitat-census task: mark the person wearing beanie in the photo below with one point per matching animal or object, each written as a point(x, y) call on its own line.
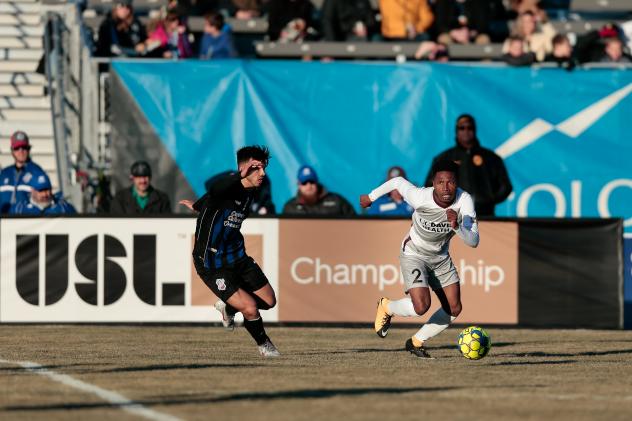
point(481, 172)
point(141, 198)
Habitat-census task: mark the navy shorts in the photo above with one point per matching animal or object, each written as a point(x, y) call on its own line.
point(224, 282)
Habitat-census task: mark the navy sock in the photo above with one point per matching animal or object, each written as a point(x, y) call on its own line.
point(256, 330)
point(231, 310)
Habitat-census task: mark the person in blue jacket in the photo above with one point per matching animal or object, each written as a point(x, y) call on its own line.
point(42, 201)
point(392, 204)
point(217, 41)
point(15, 181)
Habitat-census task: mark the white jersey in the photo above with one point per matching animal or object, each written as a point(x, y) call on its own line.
point(431, 231)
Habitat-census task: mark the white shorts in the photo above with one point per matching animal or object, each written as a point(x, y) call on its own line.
point(435, 272)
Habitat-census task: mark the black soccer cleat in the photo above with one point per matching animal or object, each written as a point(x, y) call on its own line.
point(417, 351)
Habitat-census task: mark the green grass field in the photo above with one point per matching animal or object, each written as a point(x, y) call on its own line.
point(204, 373)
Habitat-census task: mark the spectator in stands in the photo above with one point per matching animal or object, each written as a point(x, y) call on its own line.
point(562, 53)
point(16, 180)
point(170, 37)
point(590, 46)
point(405, 20)
point(515, 55)
point(482, 173)
point(392, 204)
point(262, 201)
point(42, 201)
point(537, 34)
point(217, 41)
point(613, 51)
point(121, 34)
point(518, 7)
point(290, 20)
point(141, 198)
point(347, 20)
point(432, 51)
point(463, 21)
point(246, 9)
point(313, 199)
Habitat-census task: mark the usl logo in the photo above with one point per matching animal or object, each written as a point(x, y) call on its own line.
point(91, 256)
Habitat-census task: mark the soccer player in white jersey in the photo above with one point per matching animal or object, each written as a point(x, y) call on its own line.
point(441, 211)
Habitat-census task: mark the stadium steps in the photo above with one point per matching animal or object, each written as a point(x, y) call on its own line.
point(23, 105)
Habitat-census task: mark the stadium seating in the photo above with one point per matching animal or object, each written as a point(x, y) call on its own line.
point(23, 105)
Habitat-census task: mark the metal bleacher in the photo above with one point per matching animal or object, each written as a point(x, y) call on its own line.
point(610, 6)
point(23, 103)
point(373, 50)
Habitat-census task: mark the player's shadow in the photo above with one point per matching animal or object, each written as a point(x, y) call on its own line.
point(567, 354)
point(328, 393)
point(351, 351)
point(534, 362)
point(160, 367)
point(236, 397)
point(400, 349)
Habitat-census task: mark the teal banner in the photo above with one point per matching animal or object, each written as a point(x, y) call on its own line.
point(563, 135)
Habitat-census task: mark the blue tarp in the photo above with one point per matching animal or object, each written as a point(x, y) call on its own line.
point(564, 135)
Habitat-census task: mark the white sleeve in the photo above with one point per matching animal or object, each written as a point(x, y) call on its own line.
point(411, 194)
point(468, 229)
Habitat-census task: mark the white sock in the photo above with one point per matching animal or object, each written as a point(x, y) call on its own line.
point(403, 307)
point(437, 323)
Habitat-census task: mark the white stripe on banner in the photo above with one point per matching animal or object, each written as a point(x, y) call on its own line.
point(111, 397)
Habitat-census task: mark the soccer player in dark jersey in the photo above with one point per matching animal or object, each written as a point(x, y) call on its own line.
point(219, 254)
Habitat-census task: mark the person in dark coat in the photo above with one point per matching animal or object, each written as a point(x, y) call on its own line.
point(347, 20)
point(482, 173)
point(141, 198)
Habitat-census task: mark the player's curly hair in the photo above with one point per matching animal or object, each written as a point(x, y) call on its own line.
point(445, 165)
point(260, 153)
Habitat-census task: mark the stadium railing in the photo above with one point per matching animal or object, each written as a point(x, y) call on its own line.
point(600, 6)
point(376, 50)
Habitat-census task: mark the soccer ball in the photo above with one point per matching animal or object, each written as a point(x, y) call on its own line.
point(474, 343)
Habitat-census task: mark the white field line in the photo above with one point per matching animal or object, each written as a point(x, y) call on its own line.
point(111, 397)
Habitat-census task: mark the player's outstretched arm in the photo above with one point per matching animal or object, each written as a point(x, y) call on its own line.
point(188, 204)
point(409, 192)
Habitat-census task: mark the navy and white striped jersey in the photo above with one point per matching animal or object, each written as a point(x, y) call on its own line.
point(221, 211)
